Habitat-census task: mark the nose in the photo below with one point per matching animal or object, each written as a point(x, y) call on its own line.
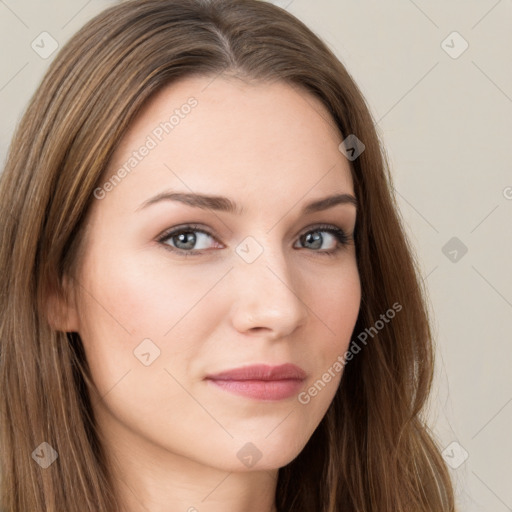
point(267, 296)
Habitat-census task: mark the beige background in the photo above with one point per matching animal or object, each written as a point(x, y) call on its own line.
point(446, 122)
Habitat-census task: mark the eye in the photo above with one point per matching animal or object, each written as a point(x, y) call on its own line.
point(315, 240)
point(189, 240)
point(185, 238)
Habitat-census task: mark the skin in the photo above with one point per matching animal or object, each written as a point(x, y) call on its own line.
point(172, 437)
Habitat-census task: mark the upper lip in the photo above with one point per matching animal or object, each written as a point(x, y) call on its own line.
point(262, 372)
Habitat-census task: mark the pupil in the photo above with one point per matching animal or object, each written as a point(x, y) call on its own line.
point(182, 237)
point(314, 237)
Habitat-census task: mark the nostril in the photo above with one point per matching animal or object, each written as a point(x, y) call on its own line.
point(258, 329)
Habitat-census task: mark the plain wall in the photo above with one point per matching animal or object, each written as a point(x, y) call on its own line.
point(445, 118)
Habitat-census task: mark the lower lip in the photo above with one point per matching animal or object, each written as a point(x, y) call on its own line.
point(261, 389)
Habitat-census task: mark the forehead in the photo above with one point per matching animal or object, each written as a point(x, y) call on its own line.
point(225, 135)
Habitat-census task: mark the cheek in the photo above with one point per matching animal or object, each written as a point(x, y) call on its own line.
point(142, 298)
point(336, 307)
point(334, 300)
point(131, 306)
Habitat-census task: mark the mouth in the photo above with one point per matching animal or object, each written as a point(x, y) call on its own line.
point(261, 382)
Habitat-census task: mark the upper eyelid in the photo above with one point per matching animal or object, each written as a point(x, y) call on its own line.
point(186, 227)
point(199, 227)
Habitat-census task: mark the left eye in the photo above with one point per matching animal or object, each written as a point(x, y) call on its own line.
point(313, 237)
point(183, 240)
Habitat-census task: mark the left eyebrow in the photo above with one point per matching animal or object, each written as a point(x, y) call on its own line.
point(328, 202)
point(224, 204)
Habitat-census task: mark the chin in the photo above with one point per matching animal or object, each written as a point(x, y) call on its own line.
point(269, 454)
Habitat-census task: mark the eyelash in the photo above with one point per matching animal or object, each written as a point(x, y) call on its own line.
point(340, 235)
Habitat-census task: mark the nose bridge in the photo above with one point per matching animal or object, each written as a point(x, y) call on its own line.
point(266, 293)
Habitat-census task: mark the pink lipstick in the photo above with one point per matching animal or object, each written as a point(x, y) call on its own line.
point(261, 382)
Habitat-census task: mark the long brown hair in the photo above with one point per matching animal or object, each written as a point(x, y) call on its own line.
point(372, 452)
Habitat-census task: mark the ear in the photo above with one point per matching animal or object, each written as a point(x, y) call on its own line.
point(61, 307)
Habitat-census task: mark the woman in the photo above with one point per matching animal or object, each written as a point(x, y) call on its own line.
point(209, 302)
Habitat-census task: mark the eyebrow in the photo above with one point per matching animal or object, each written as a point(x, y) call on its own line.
point(224, 204)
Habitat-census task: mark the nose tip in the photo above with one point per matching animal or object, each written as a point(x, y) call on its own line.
point(266, 299)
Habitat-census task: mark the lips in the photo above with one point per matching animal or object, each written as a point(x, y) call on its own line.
point(261, 372)
point(261, 382)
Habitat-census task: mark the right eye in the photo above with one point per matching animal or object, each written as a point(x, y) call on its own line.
point(185, 238)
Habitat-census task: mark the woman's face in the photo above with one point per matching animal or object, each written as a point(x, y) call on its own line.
point(159, 312)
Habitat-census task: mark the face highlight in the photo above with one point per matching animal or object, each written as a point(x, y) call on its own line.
point(229, 244)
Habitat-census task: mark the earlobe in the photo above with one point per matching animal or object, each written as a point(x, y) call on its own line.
point(61, 310)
